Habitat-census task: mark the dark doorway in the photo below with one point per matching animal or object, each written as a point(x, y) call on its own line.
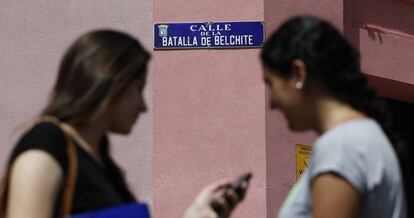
point(402, 122)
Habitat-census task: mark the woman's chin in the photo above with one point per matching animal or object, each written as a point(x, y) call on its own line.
point(125, 130)
point(297, 126)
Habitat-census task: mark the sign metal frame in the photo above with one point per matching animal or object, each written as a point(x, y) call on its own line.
point(156, 32)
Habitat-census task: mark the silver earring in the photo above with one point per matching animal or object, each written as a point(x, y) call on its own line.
point(299, 85)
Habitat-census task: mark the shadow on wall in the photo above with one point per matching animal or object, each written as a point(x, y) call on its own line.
point(383, 30)
point(402, 119)
point(394, 17)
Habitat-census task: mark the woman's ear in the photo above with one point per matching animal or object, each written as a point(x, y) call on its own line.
point(299, 73)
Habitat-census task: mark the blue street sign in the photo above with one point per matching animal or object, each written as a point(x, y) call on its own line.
point(209, 35)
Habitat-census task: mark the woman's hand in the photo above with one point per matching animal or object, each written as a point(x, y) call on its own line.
point(216, 200)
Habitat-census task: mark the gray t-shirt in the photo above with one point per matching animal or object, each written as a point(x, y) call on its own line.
point(360, 152)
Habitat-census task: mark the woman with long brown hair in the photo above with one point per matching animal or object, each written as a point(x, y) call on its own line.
point(99, 89)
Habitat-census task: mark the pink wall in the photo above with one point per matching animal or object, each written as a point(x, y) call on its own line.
point(202, 104)
point(280, 142)
point(210, 119)
point(209, 112)
point(33, 37)
point(277, 11)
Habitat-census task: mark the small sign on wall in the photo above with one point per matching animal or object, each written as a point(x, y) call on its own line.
point(209, 35)
point(303, 156)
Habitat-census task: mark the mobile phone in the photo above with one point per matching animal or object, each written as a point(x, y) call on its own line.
point(237, 185)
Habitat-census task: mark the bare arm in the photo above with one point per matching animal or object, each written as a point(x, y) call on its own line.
point(333, 196)
point(34, 185)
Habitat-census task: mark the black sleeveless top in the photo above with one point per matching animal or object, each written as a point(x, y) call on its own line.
point(95, 186)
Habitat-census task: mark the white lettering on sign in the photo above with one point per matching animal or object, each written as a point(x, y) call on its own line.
point(208, 35)
point(210, 27)
point(233, 40)
point(185, 41)
point(206, 41)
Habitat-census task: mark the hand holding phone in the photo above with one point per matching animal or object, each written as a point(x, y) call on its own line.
point(231, 196)
point(240, 182)
point(219, 198)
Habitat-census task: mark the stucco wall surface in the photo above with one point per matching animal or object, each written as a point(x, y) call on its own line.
point(209, 112)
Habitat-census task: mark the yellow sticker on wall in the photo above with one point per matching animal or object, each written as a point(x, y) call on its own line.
point(303, 156)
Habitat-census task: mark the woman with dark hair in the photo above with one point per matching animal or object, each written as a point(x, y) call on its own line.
point(99, 89)
point(315, 80)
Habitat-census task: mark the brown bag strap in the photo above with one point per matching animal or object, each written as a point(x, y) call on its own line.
point(69, 185)
point(4, 186)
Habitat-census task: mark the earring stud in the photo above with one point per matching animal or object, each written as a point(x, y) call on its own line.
point(299, 85)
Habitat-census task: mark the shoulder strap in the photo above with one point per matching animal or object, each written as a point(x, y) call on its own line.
point(4, 186)
point(69, 185)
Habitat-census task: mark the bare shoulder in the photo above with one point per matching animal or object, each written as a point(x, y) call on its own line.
point(34, 185)
point(36, 164)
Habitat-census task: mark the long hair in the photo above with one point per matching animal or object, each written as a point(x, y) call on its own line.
point(97, 68)
point(332, 64)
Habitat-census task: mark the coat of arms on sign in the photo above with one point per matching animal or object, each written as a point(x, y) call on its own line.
point(163, 30)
